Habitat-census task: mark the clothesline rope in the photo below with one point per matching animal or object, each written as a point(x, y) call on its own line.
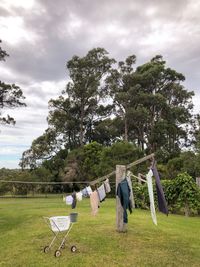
point(33, 182)
point(98, 180)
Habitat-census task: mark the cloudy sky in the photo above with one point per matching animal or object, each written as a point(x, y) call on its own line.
point(42, 35)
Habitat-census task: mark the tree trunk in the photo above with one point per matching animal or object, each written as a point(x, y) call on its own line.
point(81, 126)
point(125, 129)
point(187, 209)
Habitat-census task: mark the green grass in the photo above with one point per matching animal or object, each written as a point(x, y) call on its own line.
point(23, 235)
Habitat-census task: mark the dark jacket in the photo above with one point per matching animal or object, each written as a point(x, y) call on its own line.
point(123, 192)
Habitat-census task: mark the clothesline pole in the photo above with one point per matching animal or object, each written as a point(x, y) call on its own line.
point(120, 174)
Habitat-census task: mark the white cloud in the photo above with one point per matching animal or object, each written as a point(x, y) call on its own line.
point(13, 31)
point(26, 4)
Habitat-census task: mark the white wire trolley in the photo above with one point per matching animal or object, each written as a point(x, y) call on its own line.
point(58, 225)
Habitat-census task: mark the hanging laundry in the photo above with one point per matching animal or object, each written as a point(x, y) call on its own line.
point(151, 196)
point(101, 192)
point(162, 204)
point(84, 192)
point(107, 186)
point(79, 196)
point(94, 202)
point(132, 202)
point(69, 200)
point(74, 200)
point(89, 190)
point(123, 192)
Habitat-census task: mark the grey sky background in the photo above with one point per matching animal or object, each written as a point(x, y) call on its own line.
point(42, 35)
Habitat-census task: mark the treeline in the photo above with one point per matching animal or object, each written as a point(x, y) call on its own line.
point(94, 160)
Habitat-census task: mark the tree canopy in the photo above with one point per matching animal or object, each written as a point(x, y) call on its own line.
point(11, 96)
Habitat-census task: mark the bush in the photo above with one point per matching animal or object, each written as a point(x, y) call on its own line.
point(182, 194)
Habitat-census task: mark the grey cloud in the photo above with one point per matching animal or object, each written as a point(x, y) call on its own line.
point(46, 60)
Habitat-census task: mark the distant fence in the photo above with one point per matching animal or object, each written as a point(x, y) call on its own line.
point(49, 195)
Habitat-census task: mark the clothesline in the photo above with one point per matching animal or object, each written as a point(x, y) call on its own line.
point(33, 182)
point(98, 180)
point(138, 177)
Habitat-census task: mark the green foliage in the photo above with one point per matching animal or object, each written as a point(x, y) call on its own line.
point(148, 106)
point(94, 160)
point(182, 194)
point(119, 153)
point(11, 96)
point(187, 193)
point(185, 162)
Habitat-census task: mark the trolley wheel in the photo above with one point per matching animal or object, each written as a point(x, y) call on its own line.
point(57, 253)
point(73, 249)
point(46, 249)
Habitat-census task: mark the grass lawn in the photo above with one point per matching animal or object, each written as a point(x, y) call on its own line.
point(23, 235)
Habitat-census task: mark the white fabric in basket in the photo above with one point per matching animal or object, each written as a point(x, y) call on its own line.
point(59, 223)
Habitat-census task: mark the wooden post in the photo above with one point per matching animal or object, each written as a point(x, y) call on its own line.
point(120, 174)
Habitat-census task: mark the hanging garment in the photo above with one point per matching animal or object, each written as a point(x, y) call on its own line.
point(101, 192)
point(123, 192)
point(89, 190)
point(162, 204)
point(151, 196)
point(74, 200)
point(107, 186)
point(132, 202)
point(69, 200)
point(84, 192)
point(79, 196)
point(94, 202)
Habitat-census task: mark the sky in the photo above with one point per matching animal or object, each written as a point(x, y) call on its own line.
point(40, 36)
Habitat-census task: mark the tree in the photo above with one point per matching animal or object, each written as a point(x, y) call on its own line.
point(11, 96)
point(84, 89)
point(122, 87)
point(167, 104)
point(42, 148)
point(64, 119)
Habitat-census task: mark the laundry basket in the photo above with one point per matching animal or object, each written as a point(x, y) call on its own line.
point(58, 225)
point(73, 217)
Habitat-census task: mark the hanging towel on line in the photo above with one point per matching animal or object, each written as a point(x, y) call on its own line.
point(84, 192)
point(107, 186)
point(69, 200)
point(89, 190)
point(94, 202)
point(151, 196)
point(79, 196)
point(101, 192)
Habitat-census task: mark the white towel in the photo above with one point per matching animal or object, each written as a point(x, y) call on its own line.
point(89, 190)
point(107, 186)
point(102, 193)
point(79, 196)
point(151, 196)
point(69, 200)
